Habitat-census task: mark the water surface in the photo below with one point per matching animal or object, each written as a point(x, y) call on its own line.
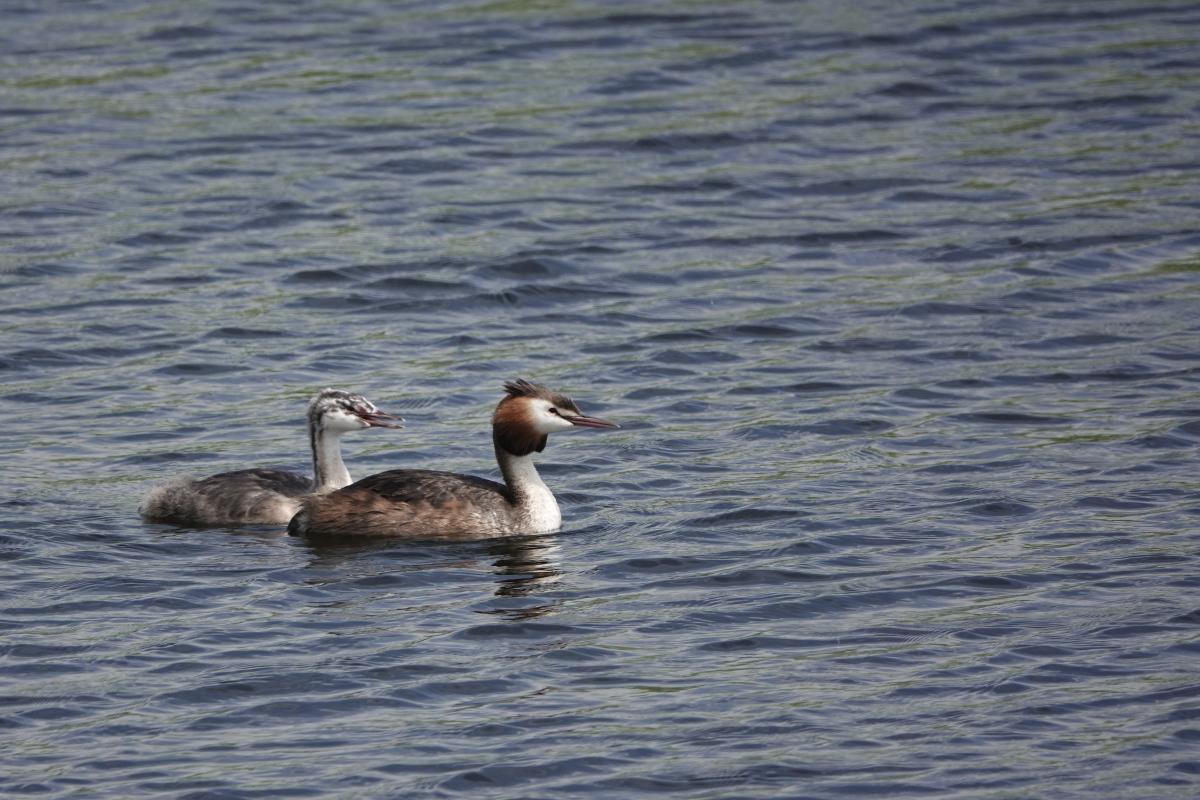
point(896, 304)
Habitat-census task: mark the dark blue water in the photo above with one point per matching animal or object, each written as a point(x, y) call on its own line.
point(897, 304)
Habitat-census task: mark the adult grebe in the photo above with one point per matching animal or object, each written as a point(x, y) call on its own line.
point(423, 503)
point(271, 496)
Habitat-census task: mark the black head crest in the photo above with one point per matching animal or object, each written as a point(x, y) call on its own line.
point(523, 388)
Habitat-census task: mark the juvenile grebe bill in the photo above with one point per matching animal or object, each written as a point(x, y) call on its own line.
point(271, 496)
point(432, 504)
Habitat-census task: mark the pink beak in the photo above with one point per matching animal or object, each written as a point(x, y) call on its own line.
point(591, 422)
point(381, 419)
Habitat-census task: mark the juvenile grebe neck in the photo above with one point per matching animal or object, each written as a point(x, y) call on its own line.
point(329, 471)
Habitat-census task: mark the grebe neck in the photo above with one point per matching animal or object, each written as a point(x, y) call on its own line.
point(531, 496)
point(329, 471)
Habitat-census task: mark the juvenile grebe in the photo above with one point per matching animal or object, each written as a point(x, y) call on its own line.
point(423, 503)
point(271, 496)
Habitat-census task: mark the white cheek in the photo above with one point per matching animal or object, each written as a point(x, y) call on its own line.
point(344, 422)
point(550, 423)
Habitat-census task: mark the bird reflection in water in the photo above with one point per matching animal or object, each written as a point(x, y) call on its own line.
point(523, 566)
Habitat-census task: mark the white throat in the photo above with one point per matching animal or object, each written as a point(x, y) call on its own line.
point(534, 497)
point(329, 471)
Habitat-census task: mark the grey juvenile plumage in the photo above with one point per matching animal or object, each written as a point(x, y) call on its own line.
point(245, 496)
point(270, 496)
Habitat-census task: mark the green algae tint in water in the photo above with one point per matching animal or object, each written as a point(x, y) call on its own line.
point(895, 306)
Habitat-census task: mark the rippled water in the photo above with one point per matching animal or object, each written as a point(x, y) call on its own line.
point(897, 304)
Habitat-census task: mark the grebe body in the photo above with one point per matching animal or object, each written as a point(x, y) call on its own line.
point(431, 504)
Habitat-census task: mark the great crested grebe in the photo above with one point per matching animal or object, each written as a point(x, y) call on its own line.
point(423, 503)
point(271, 496)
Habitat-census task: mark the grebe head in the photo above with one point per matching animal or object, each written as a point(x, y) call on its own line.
point(529, 413)
point(341, 412)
